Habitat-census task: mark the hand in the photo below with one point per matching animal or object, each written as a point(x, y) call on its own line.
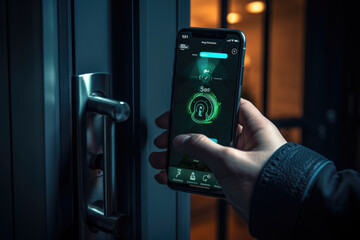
point(236, 169)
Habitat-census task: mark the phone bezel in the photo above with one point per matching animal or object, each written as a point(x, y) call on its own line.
point(210, 33)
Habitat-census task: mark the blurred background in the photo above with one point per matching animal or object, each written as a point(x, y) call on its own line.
point(300, 71)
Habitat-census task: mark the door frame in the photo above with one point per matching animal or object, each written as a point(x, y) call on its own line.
point(33, 111)
point(41, 57)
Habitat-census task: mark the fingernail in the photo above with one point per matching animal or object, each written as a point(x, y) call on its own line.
point(179, 141)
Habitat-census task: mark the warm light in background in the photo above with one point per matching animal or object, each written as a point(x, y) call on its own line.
point(233, 18)
point(255, 7)
point(205, 13)
point(247, 60)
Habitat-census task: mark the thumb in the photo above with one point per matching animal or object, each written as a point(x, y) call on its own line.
point(200, 147)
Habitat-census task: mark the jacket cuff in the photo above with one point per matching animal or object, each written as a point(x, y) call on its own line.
point(279, 191)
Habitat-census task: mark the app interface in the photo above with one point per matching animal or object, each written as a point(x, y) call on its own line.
point(206, 75)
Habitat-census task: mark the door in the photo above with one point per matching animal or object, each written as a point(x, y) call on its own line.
point(48, 46)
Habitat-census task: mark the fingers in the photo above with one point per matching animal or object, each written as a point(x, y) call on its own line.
point(239, 130)
point(161, 177)
point(249, 113)
point(200, 147)
point(161, 141)
point(158, 160)
point(163, 120)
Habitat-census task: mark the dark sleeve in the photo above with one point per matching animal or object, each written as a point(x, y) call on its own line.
point(300, 195)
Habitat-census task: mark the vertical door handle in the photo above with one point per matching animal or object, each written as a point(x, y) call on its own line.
point(92, 93)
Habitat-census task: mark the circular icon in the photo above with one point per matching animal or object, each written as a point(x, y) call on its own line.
point(206, 177)
point(234, 51)
point(205, 77)
point(203, 108)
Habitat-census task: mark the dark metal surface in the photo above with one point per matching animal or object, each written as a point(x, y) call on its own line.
point(6, 178)
point(67, 187)
point(33, 81)
point(27, 137)
point(95, 127)
point(149, 29)
point(158, 27)
point(125, 75)
point(91, 53)
point(117, 111)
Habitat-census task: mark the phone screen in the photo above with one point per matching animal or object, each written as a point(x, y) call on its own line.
point(205, 96)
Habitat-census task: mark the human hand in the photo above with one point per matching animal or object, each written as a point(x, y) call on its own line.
point(236, 169)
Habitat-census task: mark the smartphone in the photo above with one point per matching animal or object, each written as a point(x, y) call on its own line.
point(206, 87)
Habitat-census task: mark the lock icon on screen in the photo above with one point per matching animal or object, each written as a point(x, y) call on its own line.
point(200, 109)
point(192, 176)
point(203, 108)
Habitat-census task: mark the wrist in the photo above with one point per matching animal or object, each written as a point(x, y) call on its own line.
point(278, 192)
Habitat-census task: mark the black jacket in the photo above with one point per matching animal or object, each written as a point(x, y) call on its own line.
point(300, 195)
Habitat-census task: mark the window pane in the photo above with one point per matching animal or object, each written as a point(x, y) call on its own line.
point(251, 24)
point(286, 58)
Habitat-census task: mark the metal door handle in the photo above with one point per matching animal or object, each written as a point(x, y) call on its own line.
point(91, 94)
point(117, 110)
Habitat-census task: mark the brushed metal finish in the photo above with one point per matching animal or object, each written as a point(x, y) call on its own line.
point(96, 115)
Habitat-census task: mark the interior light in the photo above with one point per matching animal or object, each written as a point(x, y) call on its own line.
point(233, 18)
point(255, 7)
